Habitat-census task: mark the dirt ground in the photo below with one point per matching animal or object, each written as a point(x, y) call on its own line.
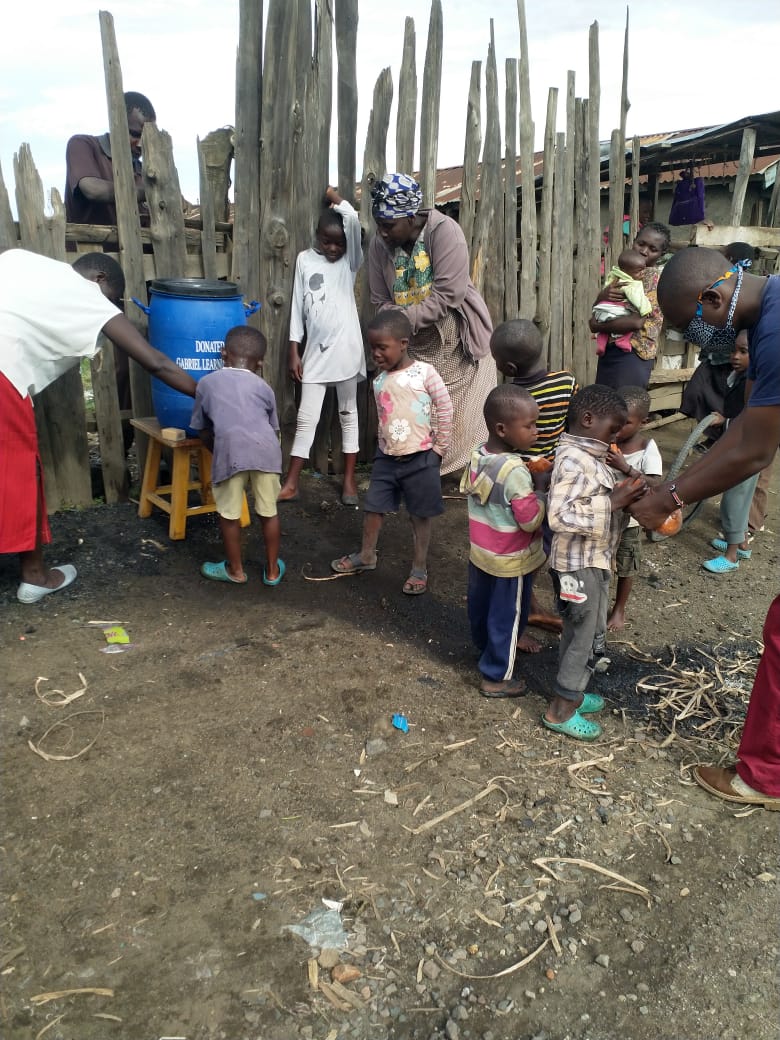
point(242, 767)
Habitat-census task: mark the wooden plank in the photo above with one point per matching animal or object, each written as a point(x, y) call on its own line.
point(321, 88)
point(8, 235)
point(374, 153)
point(723, 234)
point(347, 93)
point(109, 423)
point(246, 142)
point(543, 306)
point(635, 173)
point(487, 271)
point(429, 113)
point(406, 120)
point(528, 187)
point(773, 215)
point(218, 154)
point(559, 218)
point(277, 195)
point(591, 247)
point(128, 223)
point(566, 229)
point(208, 240)
point(617, 168)
point(743, 174)
point(163, 198)
point(614, 245)
point(582, 344)
point(471, 150)
point(511, 298)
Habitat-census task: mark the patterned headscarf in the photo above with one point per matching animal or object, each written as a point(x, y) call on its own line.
point(396, 195)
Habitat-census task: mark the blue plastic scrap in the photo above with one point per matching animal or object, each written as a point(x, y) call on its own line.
point(401, 722)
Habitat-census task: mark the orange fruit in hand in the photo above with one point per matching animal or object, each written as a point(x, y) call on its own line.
point(539, 465)
point(672, 524)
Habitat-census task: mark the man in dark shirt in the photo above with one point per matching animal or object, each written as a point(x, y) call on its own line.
point(89, 188)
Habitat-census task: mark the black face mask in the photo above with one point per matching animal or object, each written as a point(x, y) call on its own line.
point(713, 339)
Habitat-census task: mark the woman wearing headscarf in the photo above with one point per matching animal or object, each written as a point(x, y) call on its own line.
point(418, 260)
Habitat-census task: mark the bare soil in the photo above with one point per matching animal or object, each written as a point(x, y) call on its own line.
point(228, 789)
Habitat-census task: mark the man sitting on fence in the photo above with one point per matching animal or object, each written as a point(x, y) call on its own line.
point(50, 317)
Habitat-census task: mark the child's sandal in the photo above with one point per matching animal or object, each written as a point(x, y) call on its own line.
point(416, 584)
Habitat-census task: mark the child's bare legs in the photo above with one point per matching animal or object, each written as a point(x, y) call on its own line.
point(272, 534)
point(417, 582)
point(231, 539)
point(617, 618)
point(33, 570)
point(349, 487)
point(290, 487)
point(372, 525)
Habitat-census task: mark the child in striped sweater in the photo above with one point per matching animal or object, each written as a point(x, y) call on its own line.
point(505, 516)
point(517, 348)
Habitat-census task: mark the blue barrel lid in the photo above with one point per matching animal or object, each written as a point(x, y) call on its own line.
point(209, 288)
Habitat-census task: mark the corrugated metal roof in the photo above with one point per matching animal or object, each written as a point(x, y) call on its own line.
point(714, 149)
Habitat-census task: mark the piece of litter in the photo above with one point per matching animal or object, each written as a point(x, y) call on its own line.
point(391, 798)
point(259, 896)
point(116, 648)
point(401, 722)
point(116, 634)
point(333, 904)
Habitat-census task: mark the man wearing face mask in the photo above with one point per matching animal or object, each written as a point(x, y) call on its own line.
point(710, 301)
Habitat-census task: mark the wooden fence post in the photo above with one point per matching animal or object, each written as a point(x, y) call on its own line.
point(559, 219)
point(592, 245)
point(163, 197)
point(583, 298)
point(347, 94)
point(128, 223)
point(471, 150)
point(249, 91)
point(743, 175)
point(566, 229)
point(208, 237)
point(488, 266)
point(429, 115)
point(8, 238)
point(528, 234)
point(543, 297)
point(406, 119)
point(510, 191)
point(617, 170)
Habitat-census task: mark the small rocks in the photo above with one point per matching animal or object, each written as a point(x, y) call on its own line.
point(431, 970)
point(345, 973)
point(603, 960)
point(375, 746)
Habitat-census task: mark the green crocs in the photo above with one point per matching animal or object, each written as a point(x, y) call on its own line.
point(591, 704)
point(576, 727)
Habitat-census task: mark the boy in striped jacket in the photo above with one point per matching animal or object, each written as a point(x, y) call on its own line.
point(505, 516)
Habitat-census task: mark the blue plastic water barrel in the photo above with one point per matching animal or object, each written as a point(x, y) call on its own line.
point(188, 320)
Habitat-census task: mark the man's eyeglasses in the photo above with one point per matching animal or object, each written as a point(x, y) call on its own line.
point(729, 274)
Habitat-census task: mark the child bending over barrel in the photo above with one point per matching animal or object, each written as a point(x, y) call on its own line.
point(235, 412)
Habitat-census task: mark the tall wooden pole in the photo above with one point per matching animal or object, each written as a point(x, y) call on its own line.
point(249, 92)
point(510, 191)
point(429, 116)
point(528, 192)
point(406, 121)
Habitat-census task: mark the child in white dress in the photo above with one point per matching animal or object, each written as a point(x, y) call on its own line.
point(324, 310)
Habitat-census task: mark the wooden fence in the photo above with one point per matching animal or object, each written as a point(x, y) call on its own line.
point(280, 146)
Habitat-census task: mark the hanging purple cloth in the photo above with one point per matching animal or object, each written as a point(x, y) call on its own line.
point(688, 202)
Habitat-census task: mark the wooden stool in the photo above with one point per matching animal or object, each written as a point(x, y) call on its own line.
point(177, 492)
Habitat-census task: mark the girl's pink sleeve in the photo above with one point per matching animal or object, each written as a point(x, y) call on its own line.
point(439, 395)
